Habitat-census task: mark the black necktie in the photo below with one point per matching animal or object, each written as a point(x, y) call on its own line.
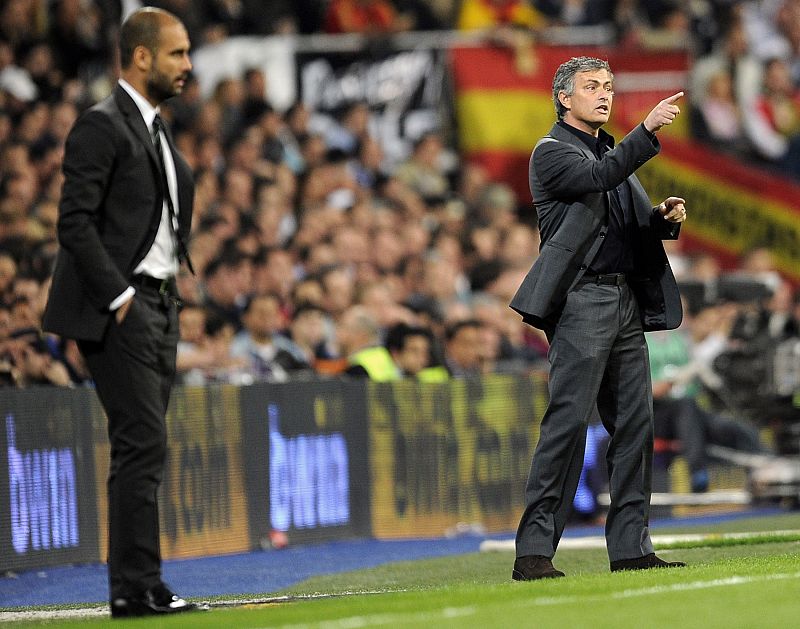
point(183, 253)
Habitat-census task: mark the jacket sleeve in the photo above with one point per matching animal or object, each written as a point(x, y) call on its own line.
point(662, 228)
point(89, 161)
point(564, 170)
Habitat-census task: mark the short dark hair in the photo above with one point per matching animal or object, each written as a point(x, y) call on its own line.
point(452, 330)
point(397, 335)
point(229, 259)
point(259, 296)
point(306, 307)
point(141, 28)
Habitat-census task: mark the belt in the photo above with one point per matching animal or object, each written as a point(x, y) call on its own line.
point(164, 287)
point(610, 279)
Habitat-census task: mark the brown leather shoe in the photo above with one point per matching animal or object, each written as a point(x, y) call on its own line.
point(644, 563)
point(533, 567)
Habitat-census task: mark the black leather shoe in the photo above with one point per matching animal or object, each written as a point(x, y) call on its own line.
point(155, 601)
point(644, 563)
point(533, 567)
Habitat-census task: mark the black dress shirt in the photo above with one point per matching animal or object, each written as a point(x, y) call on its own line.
point(617, 254)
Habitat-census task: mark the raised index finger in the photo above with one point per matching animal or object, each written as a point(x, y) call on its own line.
point(673, 98)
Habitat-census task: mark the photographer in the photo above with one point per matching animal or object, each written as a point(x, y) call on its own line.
point(682, 426)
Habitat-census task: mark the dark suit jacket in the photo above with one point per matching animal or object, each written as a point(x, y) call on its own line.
point(570, 189)
point(109, 213)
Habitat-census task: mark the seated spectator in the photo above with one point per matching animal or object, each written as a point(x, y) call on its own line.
point(8, 271)
point(269, 356)
point(273, 272)
point(775, 123)
point(307, 333)
point(338, 286)
point(731, 55)
point(358, 338)
point(424, 171)
point(410, 347)
point(226, 281)
point(720, 118)
point(497, 206)
point(773, 29)
point(203, 353)
point(352, 128)
point(520, 246)
point(464, 351)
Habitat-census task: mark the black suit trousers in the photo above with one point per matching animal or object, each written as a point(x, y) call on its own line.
point(133, 368)
point(598, 360)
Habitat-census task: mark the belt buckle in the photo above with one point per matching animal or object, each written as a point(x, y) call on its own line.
point(163, 288)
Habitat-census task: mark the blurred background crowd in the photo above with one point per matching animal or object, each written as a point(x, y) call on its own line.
point(317, 255)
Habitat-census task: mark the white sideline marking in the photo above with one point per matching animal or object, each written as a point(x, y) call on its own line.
point(377, 620)
point(103, 610)
point(664, 589)
point(598, 541)
point(54, 614)
point(719, 497)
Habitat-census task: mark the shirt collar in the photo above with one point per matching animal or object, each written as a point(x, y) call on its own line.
point(598, 145)
point(145, 108)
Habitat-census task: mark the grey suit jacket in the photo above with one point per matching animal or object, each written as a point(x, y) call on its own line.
point(570, 189)
point(109, 213)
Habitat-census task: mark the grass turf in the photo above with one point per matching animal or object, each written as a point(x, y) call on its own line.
point(745, 585)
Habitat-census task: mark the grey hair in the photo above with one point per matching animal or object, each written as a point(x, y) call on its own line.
point(564, 79)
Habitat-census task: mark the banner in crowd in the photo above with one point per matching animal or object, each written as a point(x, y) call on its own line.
point(453, 454)
point(404, 91)
point(47, 489)
point(732, 208)
point(233, 56)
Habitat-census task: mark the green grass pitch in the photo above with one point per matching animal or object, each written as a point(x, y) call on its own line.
point(747, 583)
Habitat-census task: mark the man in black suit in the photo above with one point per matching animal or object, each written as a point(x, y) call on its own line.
point(602, 277)
point(124, 216)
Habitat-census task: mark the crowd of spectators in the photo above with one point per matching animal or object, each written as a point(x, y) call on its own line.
point(312, 257)
point(745, 88)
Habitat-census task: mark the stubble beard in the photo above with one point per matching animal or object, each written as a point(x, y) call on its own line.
point(160, 87)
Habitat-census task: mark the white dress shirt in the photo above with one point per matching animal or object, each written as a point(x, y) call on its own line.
point(162, 260)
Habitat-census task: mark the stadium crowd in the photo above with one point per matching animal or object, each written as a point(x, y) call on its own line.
point(314, 256)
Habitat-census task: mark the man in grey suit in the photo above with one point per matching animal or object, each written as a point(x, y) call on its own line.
point(124, 216)
point(601, 279)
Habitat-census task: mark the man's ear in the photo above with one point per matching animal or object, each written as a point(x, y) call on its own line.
point(564, 99)
point(142, 58)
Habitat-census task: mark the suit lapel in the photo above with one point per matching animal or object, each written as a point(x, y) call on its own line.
point(561, 134)
point(134, 120)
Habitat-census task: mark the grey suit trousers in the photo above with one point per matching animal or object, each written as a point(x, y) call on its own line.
point(598, 357)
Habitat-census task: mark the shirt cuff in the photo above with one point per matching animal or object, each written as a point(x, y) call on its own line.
point(126, 296)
